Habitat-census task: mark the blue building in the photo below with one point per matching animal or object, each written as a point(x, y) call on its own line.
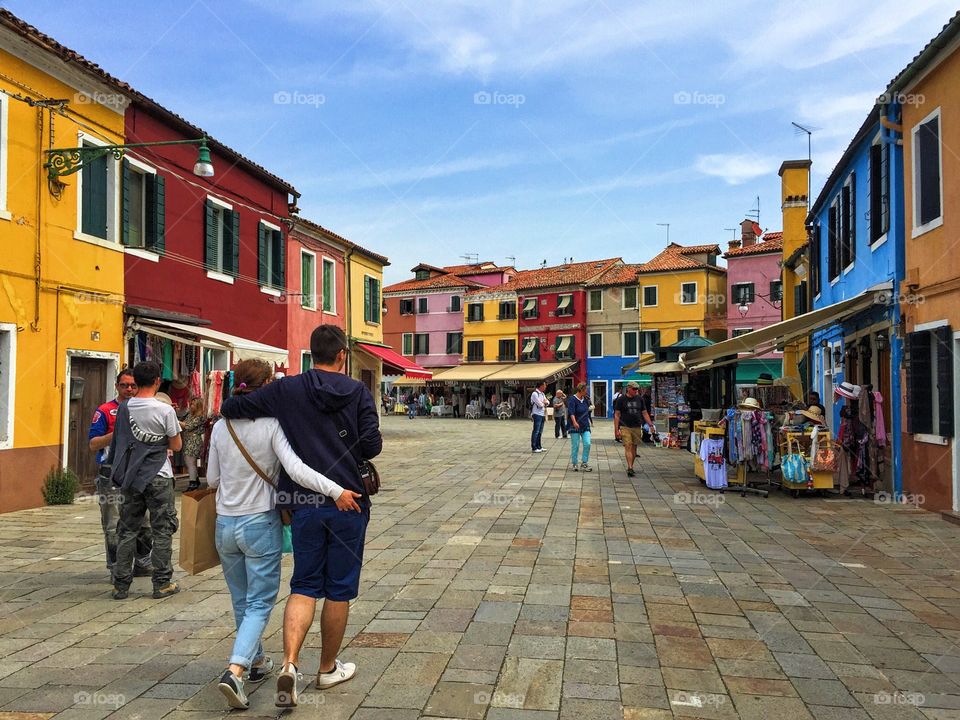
point(856, 249)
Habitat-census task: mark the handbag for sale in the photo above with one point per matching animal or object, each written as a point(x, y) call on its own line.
point(794, 467)
point(826, 460)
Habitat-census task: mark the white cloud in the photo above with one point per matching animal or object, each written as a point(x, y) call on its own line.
point(736, 169)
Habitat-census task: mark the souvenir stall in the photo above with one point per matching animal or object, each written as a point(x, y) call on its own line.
point(861, 439)
point(742, 440)
point(808, 453)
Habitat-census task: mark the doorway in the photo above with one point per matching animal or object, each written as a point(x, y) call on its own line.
point(826, 398)
point(87, 389)
point(598, 394)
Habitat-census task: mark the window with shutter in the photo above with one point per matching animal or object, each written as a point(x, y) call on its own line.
point(926, 172)
point(596, 300)
point(630, 343)
point(454, 343)
point(421, 344)
point(815, 259)
point(943, 339)
point(688, 293)
point(833, 242)
point(263, 255)
point(629, 298)
point(156, 211)
point(776, 291)
point(596, 345)
point(329, 285)
point(879, 187)
point(919, 385)
point(475, 350)
point(422, 306)
point(407, 348)
point(93, 197)
point(308, 280)
point(507, 350)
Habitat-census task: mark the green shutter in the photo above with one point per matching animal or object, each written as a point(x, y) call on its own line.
point(328, 275)
point(366, 299)
point(375, 302)
point(263, 271)
point(234, 244)
point(209, 236)
point(125, 204)
point(93, 204)
point(280, 260)
point(226, 254)
point(156, 213)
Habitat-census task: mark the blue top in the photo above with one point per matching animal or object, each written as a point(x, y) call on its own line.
point(579, 409)
point(312, 408)
point(102, 423)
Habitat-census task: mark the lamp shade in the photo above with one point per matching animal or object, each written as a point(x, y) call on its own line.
point(203, 167)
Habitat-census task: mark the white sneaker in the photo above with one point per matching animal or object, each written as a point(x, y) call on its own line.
point(287, 686)
point(538, 450)
point(341, 673)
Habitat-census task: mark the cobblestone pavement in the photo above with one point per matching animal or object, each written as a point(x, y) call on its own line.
point(498, 584)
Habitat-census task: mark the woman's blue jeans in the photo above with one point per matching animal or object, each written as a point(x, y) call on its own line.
point(575, 440)
point(250, 550)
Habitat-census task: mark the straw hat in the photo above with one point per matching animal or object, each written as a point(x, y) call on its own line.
point(164, 398)
point(749, 403)
point(813, 413)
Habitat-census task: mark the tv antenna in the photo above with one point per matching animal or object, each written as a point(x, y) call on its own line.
point(472, 258)
point(512, 259)
point(734, 231)
point(667, 226)
point(799, 129)
point(755, 213)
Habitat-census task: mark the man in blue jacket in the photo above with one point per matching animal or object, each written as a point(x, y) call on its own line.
point(331, 422)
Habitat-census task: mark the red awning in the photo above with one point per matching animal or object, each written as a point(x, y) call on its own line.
point(396, 361)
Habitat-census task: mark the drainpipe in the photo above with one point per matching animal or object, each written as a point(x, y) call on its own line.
point(35, 325)
point(348, 310)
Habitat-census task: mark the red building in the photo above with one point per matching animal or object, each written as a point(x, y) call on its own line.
point(205, 268)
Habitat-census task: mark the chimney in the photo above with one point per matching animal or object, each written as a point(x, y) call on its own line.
point(733, 244)
point(748, 233)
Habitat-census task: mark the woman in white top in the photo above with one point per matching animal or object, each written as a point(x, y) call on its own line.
point(249, 529)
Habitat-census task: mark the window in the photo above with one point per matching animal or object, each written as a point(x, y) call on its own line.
point(776, 291)
point(454, 343)
point(407, 347)
point(629, 298)
point(564, 349)
point(308, 280)
point(815, 250)
point(329, 285)
point(508, 310)
point(474, 312)
point(422, 306)
point(8, 361)
point(737, 332)
point(96, 191)
point(564, 305)
point(687, 333)
point(371, 299)
point(221, 244)
point(455, 305)
point(422, 275)
point(507, 350)
point(475, 350)
point(833, 241)
point(630, 343)
point(879, 190)
point(596, 345)
point(406, 307)
point(848, 223)
point(142, 213)
point(4, 149)
point(421, 344)
point(596, 300)
point(530, 309)
point(649, 341)
point(688, 293)
point(927, 186)
point(800, 299)
point(930, 382)
point(530, 352)
point(650, 296)
point(743, 293)
point(306, 361)
point(271, 270)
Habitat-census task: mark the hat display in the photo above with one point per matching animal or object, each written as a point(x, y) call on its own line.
point(764, 379)
point(749, 403)
point(813, 413)
point(847, 390)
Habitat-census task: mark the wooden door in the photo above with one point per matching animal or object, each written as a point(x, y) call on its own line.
point(87, 390)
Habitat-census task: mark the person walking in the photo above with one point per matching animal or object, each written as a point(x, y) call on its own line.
point(245, 457)
point(578, 411)
point(649, 432)
point(331, 422)
point(145, 430)
point(192, 430)
point(538, 405)
point(108, 496)
point(559, 414)
point(628, 422)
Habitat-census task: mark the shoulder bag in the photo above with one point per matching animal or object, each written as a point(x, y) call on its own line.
point(284, 514)
point(369, 475)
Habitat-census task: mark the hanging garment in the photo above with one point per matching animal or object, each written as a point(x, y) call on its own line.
point(189, 359)
point(714, 464)
point(879, 425)
point(166, 372)
point(195, 390)
point(756, 436)
point(141, 352)
point(731, 437)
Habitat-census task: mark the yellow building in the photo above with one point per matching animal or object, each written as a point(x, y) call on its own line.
point(490, 327)
point(794, 185)
point(61, 304)
point(682, 293)
point(364, 272)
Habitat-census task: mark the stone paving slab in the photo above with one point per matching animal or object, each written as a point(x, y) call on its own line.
point(499, 585)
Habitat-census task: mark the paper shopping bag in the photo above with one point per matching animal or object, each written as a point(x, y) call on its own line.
point(198, 527)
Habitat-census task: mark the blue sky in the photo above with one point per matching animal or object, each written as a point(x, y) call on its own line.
point(538, 130)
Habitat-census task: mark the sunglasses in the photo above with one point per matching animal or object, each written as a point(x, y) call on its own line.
point(127, 385)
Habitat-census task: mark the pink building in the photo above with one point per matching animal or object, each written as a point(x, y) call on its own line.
point(754, 293)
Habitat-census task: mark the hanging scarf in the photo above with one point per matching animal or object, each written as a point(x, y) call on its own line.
point(756, 436)
point(880, 427)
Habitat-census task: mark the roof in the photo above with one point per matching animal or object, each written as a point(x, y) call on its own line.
point(689, 343)
point(617, 275)
point(772, 242)
point(926, 55)
point(71, 57)
point(873, 118)
point(474, 268)
point(349, 244)
point(425, 266)
point(557, 275)
point(675, 257)
point(437, 282)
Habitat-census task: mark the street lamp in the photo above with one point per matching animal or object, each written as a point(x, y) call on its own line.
point(744, 309)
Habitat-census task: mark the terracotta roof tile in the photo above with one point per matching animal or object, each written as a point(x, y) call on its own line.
point(382, 259)
point(617, 275)
point(675, 258)
point(772, 243)
point(437, 282)
point(474, 268)
point(695, 249)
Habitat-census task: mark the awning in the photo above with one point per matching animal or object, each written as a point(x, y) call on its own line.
point(639, 378)
point(466, 373)
point(395, 361)
point(533, 371)
point(530, 305)
point(529, 345)
point(565, 301)
point(242, 348)
point(749, 370)
point(408, 381)
point(662, 368)
point(765, 339)
point(563, 343)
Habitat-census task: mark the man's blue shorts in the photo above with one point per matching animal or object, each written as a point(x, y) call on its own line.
point(328, 551)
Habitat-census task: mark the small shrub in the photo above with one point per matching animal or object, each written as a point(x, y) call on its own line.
point(60, 486)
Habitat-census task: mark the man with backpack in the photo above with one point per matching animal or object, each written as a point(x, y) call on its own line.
point(538, 413)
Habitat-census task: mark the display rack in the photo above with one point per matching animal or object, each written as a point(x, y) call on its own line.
point(790, 441)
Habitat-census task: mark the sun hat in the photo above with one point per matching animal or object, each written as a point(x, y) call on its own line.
point(813, 413)
point(847, 390)
point(749, 403)
point(764, 379)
